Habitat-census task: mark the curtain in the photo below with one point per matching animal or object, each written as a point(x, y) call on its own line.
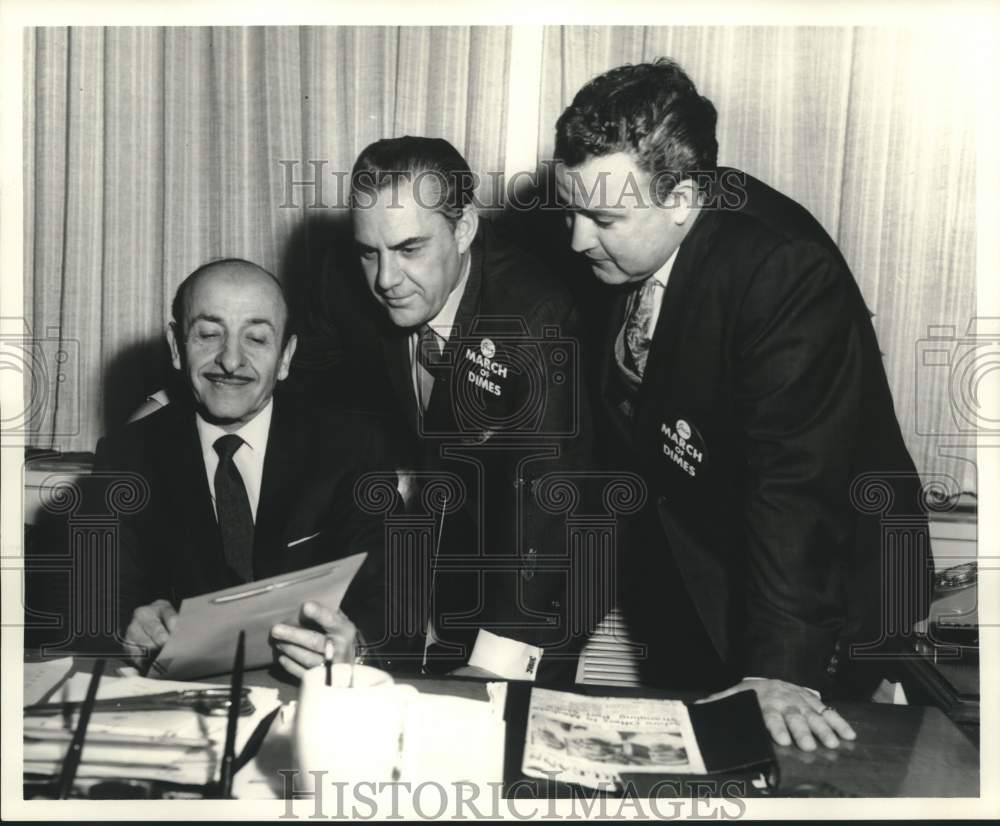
point(149, 151)
point(863, 128)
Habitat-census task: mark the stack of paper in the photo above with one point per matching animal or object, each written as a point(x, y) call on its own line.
point(178, 745)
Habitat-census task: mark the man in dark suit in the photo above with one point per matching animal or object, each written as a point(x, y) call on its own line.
point(479, 351)
point(741, 376)
point(242, 484)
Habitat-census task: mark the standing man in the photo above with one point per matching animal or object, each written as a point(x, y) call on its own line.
point(740, 375)
point(242, 484)
point(480, 350)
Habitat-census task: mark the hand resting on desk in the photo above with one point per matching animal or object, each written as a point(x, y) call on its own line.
point(300, 647)
point(149, 630)
point(792, 712)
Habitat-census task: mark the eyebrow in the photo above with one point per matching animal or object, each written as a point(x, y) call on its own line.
point(412, 241)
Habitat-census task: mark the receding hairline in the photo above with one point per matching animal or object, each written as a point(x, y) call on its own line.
point(236, 269)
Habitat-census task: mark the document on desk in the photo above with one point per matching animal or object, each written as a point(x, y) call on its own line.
point(204, 638)
point(175, 744)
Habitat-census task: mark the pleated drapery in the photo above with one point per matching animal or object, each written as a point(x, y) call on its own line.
point(151, 150)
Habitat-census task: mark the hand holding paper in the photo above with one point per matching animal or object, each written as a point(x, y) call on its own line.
point(300, 647)
point(200, 644)
point(149, 630)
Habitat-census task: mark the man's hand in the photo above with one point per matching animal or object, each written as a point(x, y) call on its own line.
point(149, 630)
point(300, 647)
point(792, 712)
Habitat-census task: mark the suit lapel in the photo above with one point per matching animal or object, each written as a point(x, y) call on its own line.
point(396, 350)
point(200, 550)
point(680, 299)
point(440, 410)
point(608, 366)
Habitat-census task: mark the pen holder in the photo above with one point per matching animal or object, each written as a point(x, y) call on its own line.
point(351, 731)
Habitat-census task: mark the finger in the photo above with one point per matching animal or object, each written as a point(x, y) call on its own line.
point(775, 723)
point(304, 637)
point(304, 657)
point(168, 616)
point(800, 730)
point(291, 666)
point(321, 615)
point(822, 730)
point(839, 724)
point(151, 624)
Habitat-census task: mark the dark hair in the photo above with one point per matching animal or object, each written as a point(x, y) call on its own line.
point(653, 112)
point(177, 306)
point(388, 161)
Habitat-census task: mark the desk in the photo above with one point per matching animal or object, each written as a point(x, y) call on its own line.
point(901, 751)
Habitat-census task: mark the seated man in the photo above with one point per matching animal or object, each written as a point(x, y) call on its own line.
point(241, 485)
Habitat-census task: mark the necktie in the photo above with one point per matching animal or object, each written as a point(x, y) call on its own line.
point(637, 333)
point(232, 506)
point(430, 347)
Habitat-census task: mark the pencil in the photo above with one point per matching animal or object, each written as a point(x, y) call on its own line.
point(235, 701)
point(72, 760)
point(328, 659)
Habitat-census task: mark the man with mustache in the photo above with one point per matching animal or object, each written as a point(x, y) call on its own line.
point(740, 375)
point(243, 484)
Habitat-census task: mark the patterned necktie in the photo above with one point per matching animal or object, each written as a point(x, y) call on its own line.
point(232, 506)
point(637, 333)
point(430, 347)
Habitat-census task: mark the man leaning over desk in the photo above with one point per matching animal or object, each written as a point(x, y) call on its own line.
point(741, 376)
point(243, 484)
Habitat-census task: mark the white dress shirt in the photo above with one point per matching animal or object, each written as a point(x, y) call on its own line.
point(662, 275)
point(441, 324)
point(249, 458)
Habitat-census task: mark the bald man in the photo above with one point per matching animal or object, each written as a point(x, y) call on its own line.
point(242, 487)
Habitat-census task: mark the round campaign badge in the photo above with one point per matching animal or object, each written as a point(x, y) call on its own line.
point(487, 348)
point(683, 429)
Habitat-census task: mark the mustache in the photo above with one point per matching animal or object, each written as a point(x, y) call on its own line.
point(228, 377)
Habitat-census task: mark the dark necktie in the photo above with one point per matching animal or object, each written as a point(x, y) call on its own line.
point(232, 506)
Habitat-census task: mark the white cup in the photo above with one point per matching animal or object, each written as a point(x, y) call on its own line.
point(353, 728)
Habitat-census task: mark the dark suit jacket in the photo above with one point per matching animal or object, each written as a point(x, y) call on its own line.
point(507, 408)
point(306, 513)
point(763, 427)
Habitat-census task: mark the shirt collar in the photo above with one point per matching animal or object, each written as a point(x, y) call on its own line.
point(663, 273)
point(253, 433)
point(445, 320)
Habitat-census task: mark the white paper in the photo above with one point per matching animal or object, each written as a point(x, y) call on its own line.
point(592, 740)
point(204, 640)
point(165, 758)
point(41, 677)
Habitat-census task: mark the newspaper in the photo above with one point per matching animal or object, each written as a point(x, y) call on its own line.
point(591, 740)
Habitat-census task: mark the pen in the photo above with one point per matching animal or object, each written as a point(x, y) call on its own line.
point(328, 660)
point(72, 761)
point(235, 697)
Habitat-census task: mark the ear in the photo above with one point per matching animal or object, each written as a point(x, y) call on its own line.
point(175, 346)
point(465, 228)
point(683, 200)
point(286, 357)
